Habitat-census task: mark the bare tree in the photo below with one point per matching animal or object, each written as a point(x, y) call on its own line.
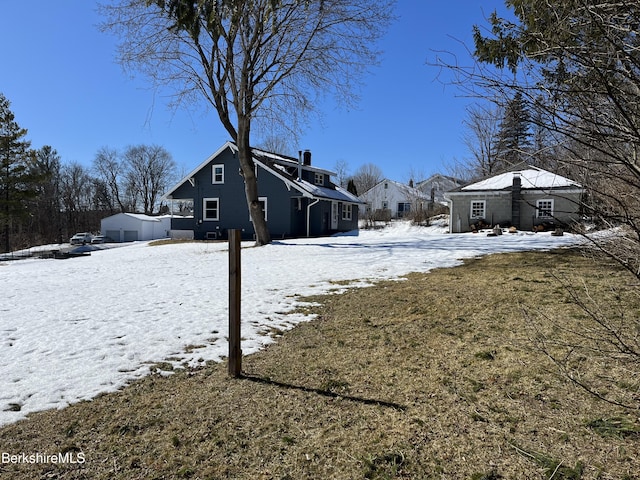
point(578, 63)
point(482, 125)
point(276, 144)
point(149, 169)
point(367, 176)
point(342, 172)
point(109, 172)
point(258, 60)
point(76, 194)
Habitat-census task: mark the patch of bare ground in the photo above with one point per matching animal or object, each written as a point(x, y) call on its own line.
point(434, 377)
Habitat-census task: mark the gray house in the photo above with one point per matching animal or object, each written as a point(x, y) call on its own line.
point(437, 185)
point(298, 198)
point(523, 199)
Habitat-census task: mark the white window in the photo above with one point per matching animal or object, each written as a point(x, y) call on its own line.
point(218, 173)
point(211, 209)
point(319, 178)
point(347, 211)
point(263, 203)
point(403, 209)
point(478, 208)
point(544, 208)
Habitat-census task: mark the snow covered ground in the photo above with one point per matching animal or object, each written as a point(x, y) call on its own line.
point(71, 329)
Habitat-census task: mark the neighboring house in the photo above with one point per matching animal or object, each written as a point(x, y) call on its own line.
point(524, 199)
point(298, 199)
point(437, 185)
point(393, 200)
point(130, 227)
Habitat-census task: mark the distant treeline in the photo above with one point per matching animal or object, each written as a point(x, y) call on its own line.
point(44, 200)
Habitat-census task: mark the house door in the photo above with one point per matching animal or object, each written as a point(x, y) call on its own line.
point(334, 215)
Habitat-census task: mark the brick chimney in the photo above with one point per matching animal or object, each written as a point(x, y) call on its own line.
point(515, 200)
point(306, 157)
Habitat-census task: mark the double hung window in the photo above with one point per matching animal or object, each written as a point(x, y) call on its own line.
point(347, 211)
point(217, 174)
point(211, 209)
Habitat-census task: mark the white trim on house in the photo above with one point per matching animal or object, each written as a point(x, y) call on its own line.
point(523, 198)
point(530, 178)
point(478, 209)
point(347, 211)
point(193, 173)
point(544, 208)
point(307, 189)
point(263, 201)
point(219, 173)
point(205, 210)
point(388, 194)
point(335, 208)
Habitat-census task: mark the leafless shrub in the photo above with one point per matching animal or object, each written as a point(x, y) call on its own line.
point(598, 349)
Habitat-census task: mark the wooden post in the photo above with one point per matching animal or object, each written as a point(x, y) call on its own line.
point(235, 353)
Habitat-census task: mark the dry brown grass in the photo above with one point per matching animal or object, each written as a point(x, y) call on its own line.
point(430, 378)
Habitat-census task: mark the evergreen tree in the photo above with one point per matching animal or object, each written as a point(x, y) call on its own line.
point(577, 62)
point(46, 168)
point(16, 178)
point(351, 187)
point(514, 134)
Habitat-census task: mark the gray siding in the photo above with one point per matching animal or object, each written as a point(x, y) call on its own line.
point(498, 208)
point(566, 208)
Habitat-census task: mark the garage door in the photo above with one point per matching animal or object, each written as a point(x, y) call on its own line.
point(113, 235)
point(130, 235)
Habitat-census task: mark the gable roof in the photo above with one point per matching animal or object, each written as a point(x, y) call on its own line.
point(531, 178)
point(289, 177)
point(139, 216)
point(283, 167)
point(439, 176)
point(409, 192)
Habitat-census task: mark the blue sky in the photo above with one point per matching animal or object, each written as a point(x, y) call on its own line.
point(65, 87)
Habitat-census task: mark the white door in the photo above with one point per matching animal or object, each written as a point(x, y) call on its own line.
point(334, 215)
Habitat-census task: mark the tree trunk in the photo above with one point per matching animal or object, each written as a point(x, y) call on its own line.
point(251, 184)
point(7, 211)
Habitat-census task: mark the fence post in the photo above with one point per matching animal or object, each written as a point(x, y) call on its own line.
point(235, 353)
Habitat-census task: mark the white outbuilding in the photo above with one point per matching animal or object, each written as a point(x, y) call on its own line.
point(131, 227)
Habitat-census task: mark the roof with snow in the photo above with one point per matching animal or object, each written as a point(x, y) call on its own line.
point(531, 178)
point(145, 218)
point(285, 168)
point(405, 189)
